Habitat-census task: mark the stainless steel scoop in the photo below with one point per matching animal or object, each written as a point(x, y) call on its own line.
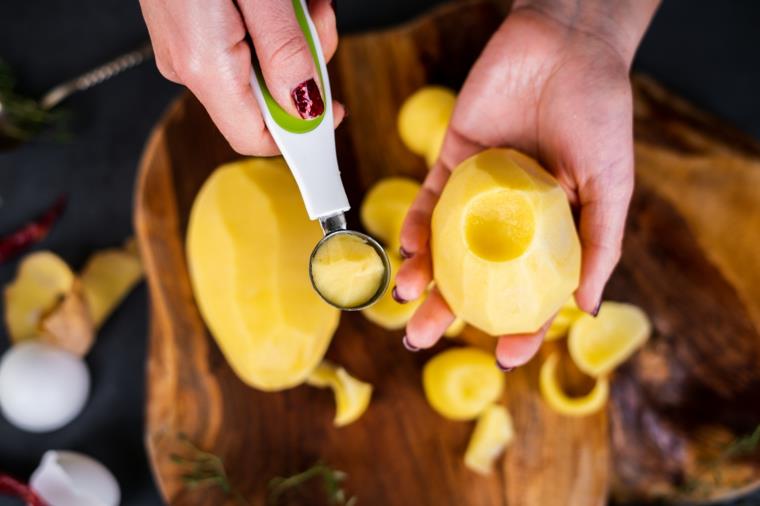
point(333, 226)
point(308, 146)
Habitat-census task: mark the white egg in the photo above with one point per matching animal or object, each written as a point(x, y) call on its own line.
point(42, 388)
point(66, 478)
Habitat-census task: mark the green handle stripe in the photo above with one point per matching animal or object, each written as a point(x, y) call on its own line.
point(280, 116)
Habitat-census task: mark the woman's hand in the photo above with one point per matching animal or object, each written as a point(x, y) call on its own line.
point(203, 45)
point(552, 82)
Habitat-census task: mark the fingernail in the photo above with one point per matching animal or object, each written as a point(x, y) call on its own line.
point(505, 369)
point(409, 346)
point(595, 312)
point(397, 297)
point(404, 254)
point(308, 100)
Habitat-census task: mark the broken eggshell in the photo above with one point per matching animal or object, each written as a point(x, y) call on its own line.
point(66, 478)
point(42, 387)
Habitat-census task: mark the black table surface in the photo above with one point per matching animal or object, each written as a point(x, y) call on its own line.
point(703, 49)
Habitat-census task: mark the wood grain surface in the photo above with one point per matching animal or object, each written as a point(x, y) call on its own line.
point(690, 259)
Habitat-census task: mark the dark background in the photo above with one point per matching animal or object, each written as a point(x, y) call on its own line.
point(703, 49)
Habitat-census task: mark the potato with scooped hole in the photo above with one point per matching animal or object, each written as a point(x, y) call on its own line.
point(506, 254)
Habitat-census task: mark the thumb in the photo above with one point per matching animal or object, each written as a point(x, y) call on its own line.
point(285, 56)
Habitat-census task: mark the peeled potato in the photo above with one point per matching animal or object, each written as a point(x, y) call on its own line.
point(493, 432)
point(460, 383)
point(248, 245)
point(505, 250)
point(43, 279)
point(385, 206)
point(598, 345)
point(107, 279)
point(566, 316)
point(561, 402)
point(456, 328)
point(352, 396)
point(386, 312)
point(423, 115)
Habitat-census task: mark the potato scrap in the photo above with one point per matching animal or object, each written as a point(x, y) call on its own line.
point(456, 328)
point(493, 432)
point(107, 279)
point(460, 383)
point(567, 315)
point(43, 279)
point(598, 345)
point(560, 401)
point(69, 325)
point(352, 396)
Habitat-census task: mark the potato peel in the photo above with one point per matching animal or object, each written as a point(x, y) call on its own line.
point(69, 325)
point(107, 278)
point(43, 279)
point(47, 301)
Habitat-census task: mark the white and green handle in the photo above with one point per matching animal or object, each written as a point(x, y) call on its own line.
point(308, 146)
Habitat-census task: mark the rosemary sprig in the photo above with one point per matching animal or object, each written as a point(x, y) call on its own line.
point(26, 118)
point(332, 481)
point(740, 447)
point(205, 469)
point(743, 446)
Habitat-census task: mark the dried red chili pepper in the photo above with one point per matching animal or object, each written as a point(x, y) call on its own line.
point(31, 233)
point(12, 487)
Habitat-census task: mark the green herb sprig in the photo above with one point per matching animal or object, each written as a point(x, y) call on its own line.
point(332, 481)
point(25, 117)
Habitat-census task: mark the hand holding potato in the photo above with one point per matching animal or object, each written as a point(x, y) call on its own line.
point(552, 82)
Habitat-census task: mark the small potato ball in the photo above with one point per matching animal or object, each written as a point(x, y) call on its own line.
point(423, 119)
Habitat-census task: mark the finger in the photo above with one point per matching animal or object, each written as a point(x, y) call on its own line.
point(231, 104)
point(323, 16)
point(339, 113)
point(284, 56)
point(156, 20)
point(413, 277)
point(210, 56)
point(515, 350)
point(429, 322)
point(415, 232)
point(604, 205)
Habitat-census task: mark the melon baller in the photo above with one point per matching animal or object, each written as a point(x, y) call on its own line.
point(308, 147)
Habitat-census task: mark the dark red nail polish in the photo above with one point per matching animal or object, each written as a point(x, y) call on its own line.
point(409, 346)
point(404, 254)
point(595, 312)
point(505, 369)
point(397, 297)
point(308, 100)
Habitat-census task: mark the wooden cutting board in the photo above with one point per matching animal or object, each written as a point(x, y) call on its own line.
point(692, 266)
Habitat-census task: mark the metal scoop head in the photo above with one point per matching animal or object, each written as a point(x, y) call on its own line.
point(334, 227)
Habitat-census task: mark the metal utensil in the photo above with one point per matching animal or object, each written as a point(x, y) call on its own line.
point(9, 137)
point(308, 147)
